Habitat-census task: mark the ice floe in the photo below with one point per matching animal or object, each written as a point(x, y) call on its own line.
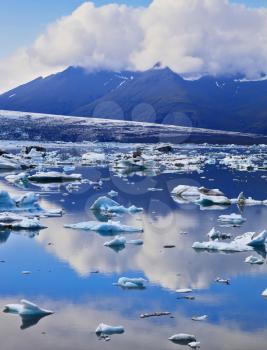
point(231, 219)
point(104, 329)
point(131, 283)
point(254, 260)
point(106, 204)
point(182, 338)
point(242, 243)
point(215, 234)
point(26, 308)
point(109, 227)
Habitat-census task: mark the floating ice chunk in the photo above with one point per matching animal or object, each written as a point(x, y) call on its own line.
point(6, 202)
point(69, 168)
point(232, 219)
point(26, 308)
point(182, 338)
point(214, 234)
point(241, 200)
point(200, 195)
point(258, 240)
point(207, 200)
point(9, 164)
point(131, 283)
point(109, 227)
point(264, 293)
point(254, 260)
point(20, 179)
point(184, 290)
point(200, 318)
point(118, 241)
point(194, 345)
point(28, 201)
point(239, 244)
point(54, 176)
point(18, 222)
point(92, 158)
point(109, 205)
point(53, 213)
point(104, 329)
point(222, 280)
point(112, 193)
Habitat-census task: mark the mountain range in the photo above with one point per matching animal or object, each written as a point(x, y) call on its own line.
point(158, 95)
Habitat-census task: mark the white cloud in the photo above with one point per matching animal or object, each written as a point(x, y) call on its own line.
point(190, 36)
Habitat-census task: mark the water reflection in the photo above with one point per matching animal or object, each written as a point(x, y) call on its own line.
point(73, 327)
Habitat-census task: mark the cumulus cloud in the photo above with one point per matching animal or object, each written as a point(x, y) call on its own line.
point(192, 37)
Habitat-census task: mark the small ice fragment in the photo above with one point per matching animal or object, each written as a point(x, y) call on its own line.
point(131, 283)
point(25, 272)
point(112, 193)
point(222, 280)
point(194, 345)
point(200, 318)
point(184, 290)
point(254, 260)
point(104, 329)
point(118, 241)
point(182, 338)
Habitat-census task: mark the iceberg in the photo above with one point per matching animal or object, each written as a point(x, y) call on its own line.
point(17, 222)
point(182, 338)
point(93, 158)
point(135, 242)
point(214, 234)
point(131, 283)
point(231, 219)
point(200, 195)
point(264, 293)
point(107, 204)
point(254, 260)
point(30, 313)
point(200, 318)
point(21, 179)
point(118, 241)
point(104, 329)
point(26, 308)
point(194, 345)
point(184, 290)
point(109, 227)
point(245, 242)
point(54, 176)
point(258, 240)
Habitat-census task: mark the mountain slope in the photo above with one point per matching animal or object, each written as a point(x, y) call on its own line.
point(63, 92)
point(157, 95)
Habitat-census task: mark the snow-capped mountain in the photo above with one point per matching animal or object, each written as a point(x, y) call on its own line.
point(158, 95)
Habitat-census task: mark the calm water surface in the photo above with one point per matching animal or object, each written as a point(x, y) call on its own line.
point(63, 263)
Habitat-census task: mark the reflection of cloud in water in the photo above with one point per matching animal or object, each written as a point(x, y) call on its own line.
point(84, 251)
point(73, 327)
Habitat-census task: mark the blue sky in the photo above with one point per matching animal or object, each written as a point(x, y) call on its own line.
point(21, 21)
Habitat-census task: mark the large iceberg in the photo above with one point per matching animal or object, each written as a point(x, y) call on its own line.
point(200, 195)
point(245, 242)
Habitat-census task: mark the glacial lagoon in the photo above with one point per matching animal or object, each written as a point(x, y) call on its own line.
point(71, 272)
